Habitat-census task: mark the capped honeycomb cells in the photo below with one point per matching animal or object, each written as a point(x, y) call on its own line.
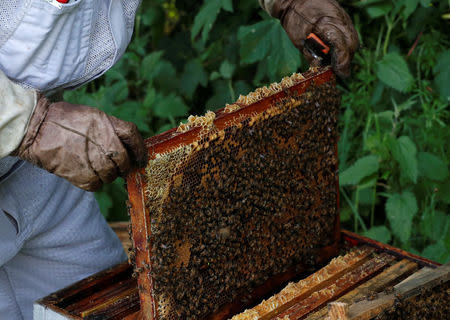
point(244, 203)
point(264, 92)
point(197, 121)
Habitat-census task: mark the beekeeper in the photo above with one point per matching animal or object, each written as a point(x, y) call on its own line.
point(53, 153)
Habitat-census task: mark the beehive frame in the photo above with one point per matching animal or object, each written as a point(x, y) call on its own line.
point(113, 294)
point(138, 186)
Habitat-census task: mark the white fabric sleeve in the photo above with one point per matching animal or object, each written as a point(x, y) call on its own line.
point(16, 107)
point(267, 5)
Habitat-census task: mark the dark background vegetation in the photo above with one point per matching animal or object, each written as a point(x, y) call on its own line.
point(187, 57)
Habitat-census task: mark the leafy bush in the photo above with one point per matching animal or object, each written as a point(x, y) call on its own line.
point(187, 57)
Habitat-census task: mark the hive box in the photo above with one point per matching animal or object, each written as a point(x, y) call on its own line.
point(366, 277)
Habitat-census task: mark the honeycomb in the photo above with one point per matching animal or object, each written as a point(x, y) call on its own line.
point(244, 202)
point(268, 308)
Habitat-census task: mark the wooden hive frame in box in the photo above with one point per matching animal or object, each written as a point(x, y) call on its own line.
point(379, 281)
point(238, 202)
point(369, 280)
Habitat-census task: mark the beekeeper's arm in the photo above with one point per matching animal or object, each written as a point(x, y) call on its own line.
point(79, 143)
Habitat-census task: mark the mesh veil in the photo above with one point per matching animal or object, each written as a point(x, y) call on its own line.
point(11, 13)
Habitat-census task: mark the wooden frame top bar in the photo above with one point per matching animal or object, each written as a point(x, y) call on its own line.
point(172, 139)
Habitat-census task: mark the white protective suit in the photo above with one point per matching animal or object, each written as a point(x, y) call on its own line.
point(51, 233)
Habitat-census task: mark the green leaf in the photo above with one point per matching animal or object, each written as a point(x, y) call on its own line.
point(379, 10)
point(283, 56)
point(131, 111)
point(150, 65)
point(437, 252)
point(268, 43)
point(227, 69)
point(151, 15)
point(346, 214)
point(255, 42)
point(193, 75)
point(377, 93)
point(207, 15)
point(119, 91)
point(407, 105)
point(409, 7)
point(164, 128)
point(426, 3)
point(242, 87)
point(114, 75)
point(345, 142)
point(432, 167)
point(405, 153)
point(400, 211)
point(366, 191)
point(221, 95)
point(104, 202)
point(150, 98)
point(165, 77)
point(379, 233)
point(443, 192)
point(442, 75)
point(169, 106)
point(394, 72)
point(214, 76)
point(362, 168)
point(435, 225)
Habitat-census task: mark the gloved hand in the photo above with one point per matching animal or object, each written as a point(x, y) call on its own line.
point(326, 19)
point(81, 144)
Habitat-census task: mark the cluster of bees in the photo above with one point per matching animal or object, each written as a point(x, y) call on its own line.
point(245, 204)
point(430, 304)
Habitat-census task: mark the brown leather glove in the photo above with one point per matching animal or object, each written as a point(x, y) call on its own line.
point(81, 144)
point(326, 19)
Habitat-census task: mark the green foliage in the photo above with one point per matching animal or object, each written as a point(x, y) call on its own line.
point(205, 18)
point(432, 167)
point(188, 56)
point(379, 233)
point(401, 210)
point(267, 41)
point(405, 153)
point(396, 110)
point(193, 75)
point(442, 74)
point(362, 168)
point(393, 71)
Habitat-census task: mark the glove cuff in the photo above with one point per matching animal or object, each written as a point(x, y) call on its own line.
point(36, 120)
